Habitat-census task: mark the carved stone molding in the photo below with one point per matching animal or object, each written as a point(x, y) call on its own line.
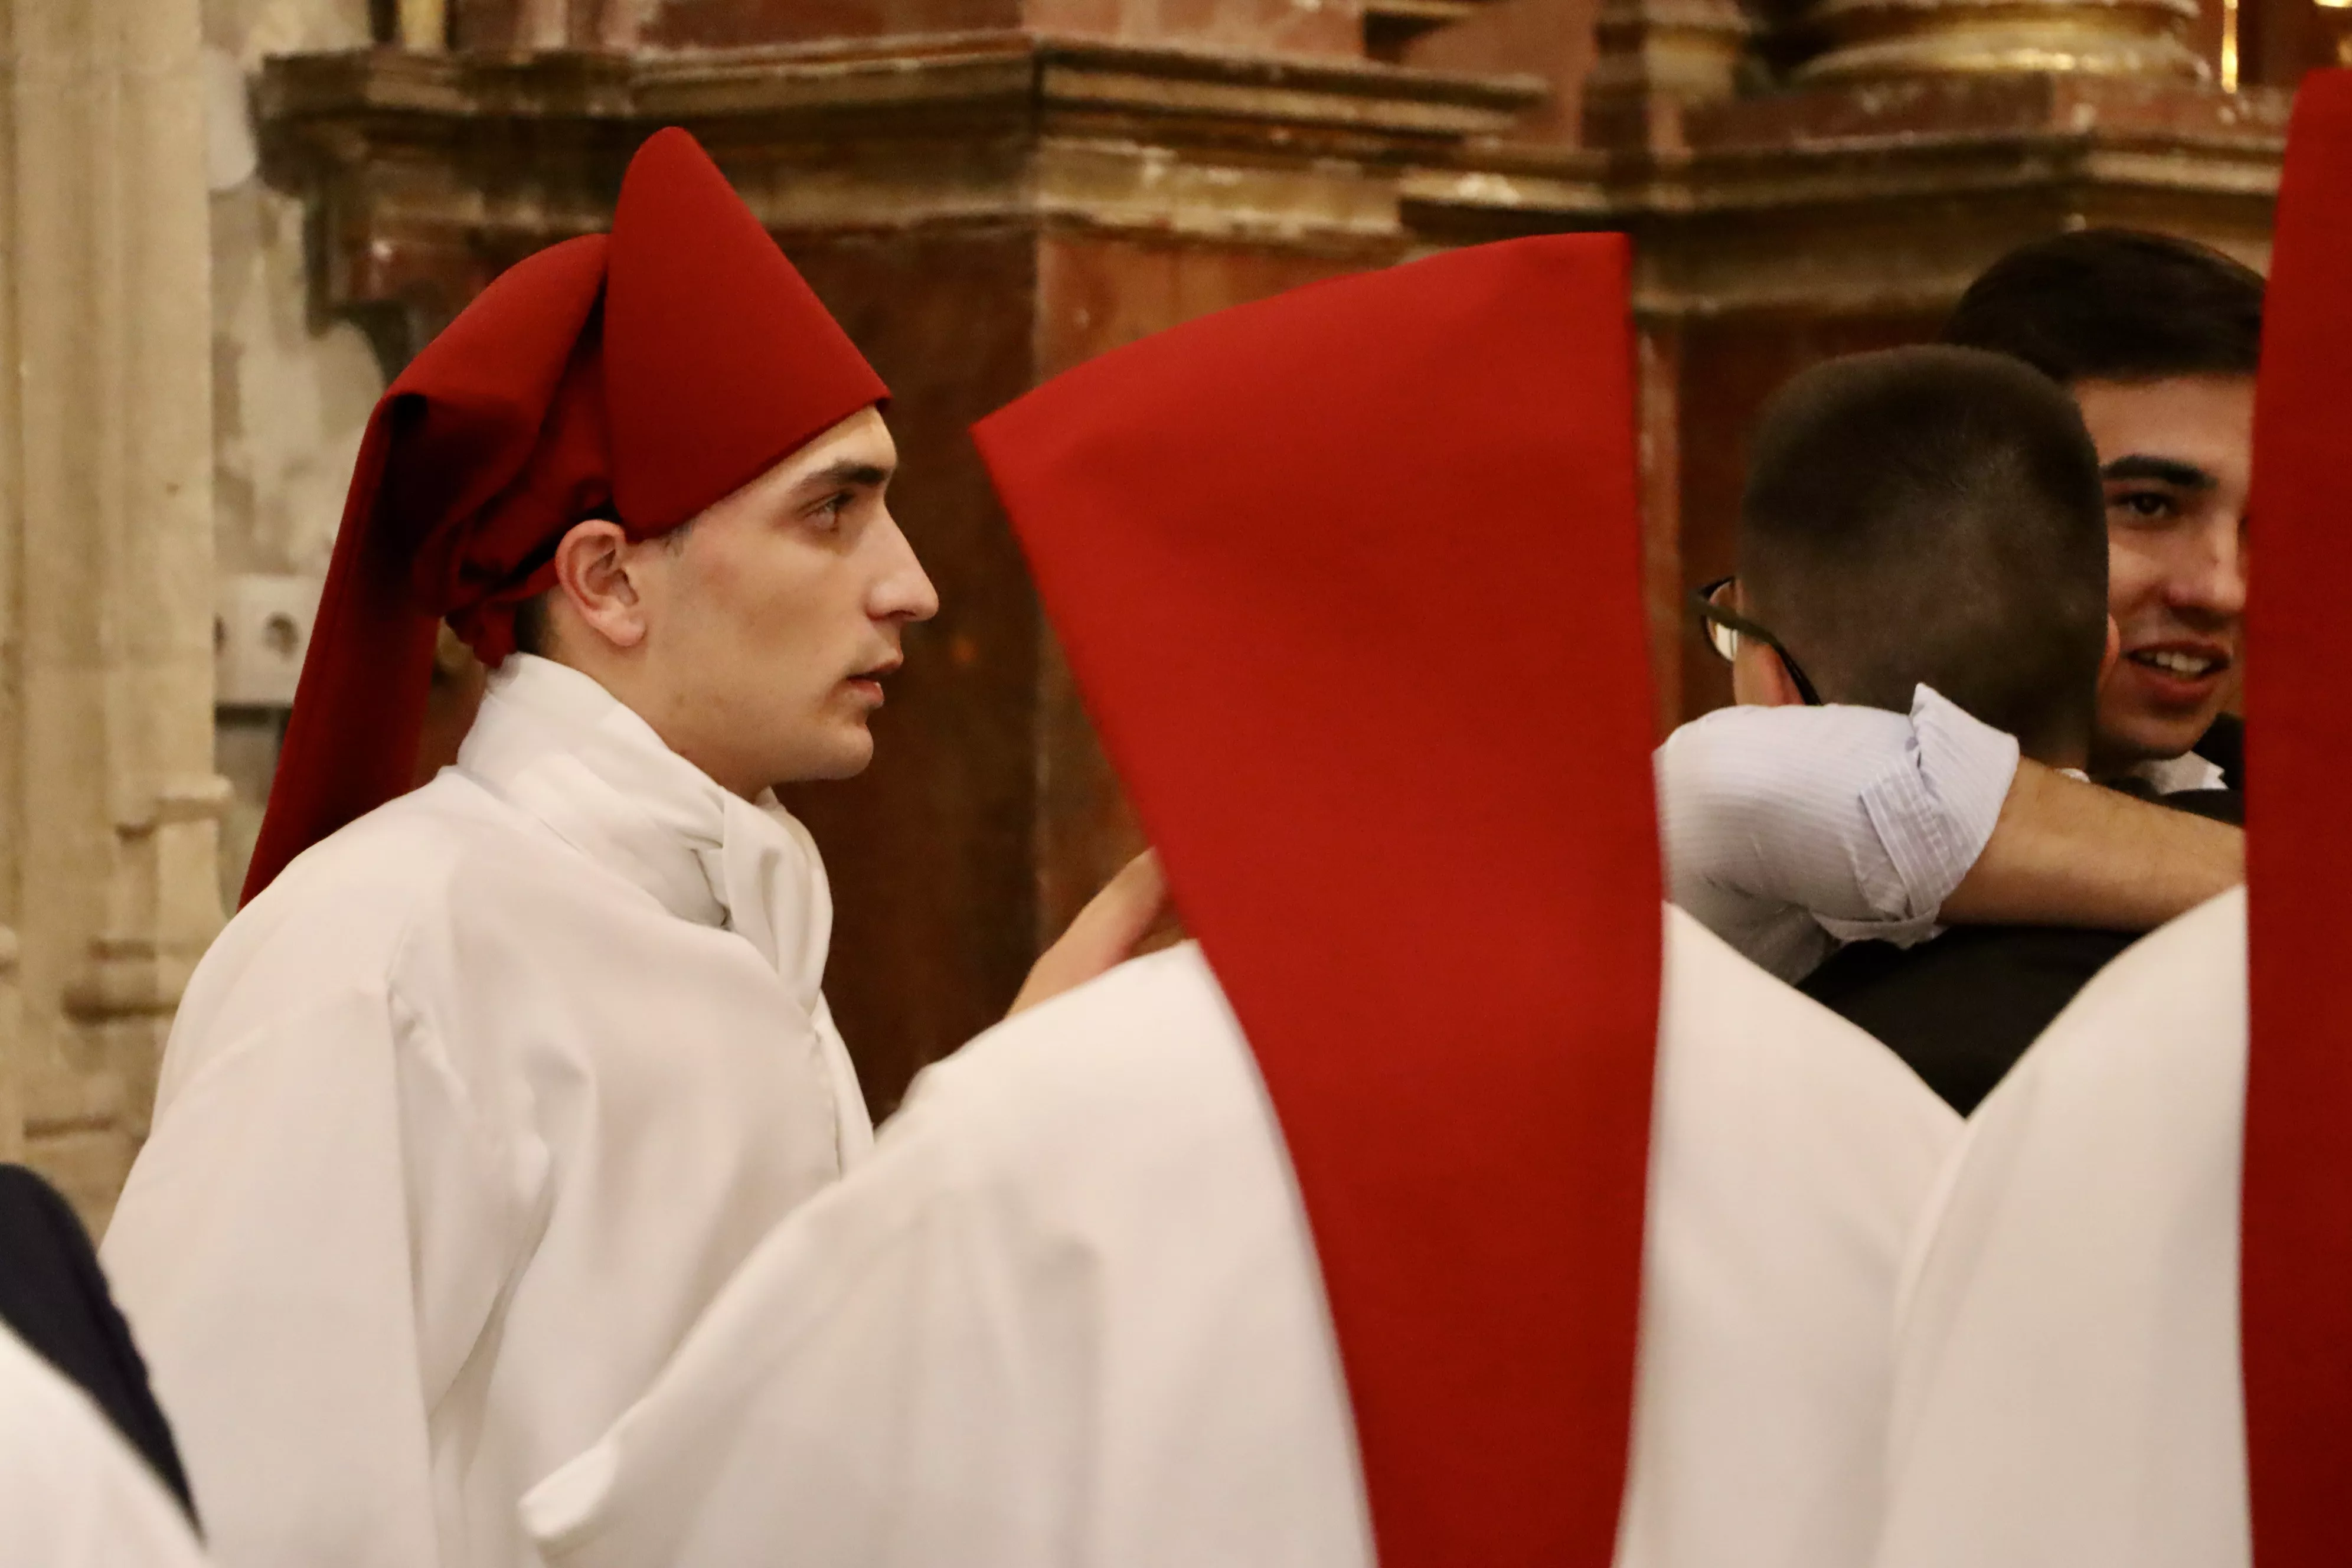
point(166, 906)
point(1391, 24)
point(1654, 60)
point(433, 172)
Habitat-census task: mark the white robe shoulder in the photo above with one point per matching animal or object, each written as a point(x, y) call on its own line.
point(460, 1126)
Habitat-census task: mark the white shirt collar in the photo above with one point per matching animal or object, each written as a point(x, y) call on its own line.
point(2170, 776)
point(556, 746)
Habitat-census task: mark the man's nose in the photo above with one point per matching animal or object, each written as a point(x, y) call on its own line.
point(2215, 581)
point(903, 591)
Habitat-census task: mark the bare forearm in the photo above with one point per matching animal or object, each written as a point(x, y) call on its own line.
point(2065, 852)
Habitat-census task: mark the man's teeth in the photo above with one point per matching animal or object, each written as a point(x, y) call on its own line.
point(2189, 666)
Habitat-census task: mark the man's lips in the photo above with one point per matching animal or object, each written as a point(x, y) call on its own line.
point(868, 682)
point(2180, 669)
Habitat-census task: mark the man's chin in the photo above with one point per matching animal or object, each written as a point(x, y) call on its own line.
point(2147, 737)
point(845, 757)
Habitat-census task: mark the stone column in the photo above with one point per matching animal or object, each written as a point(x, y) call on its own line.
point(108, 802)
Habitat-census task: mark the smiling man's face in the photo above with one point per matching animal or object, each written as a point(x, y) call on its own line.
point(2174, 456)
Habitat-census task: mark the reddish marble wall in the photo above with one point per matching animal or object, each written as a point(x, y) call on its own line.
point(929, 849)
point(1097, 293)
point(989, 815)
point(1550, 39)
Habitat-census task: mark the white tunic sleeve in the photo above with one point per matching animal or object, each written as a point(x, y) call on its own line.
point(1789, 829)
point(301, 1394)
point(72, 1494)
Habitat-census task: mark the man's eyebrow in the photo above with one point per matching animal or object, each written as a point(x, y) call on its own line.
point(2164, 470)
point(847, 474)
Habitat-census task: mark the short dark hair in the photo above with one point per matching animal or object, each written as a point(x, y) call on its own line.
point(1933, 515)
point(2115, 304)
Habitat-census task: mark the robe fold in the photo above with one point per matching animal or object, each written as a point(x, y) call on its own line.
point(1070, 1313)
point(461, 1125)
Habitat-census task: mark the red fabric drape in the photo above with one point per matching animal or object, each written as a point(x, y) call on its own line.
point(1350, 581)
point(2297, 1258)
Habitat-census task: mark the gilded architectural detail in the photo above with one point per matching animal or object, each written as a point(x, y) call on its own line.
point(1884, 39)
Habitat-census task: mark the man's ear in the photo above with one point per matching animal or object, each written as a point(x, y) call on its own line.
point(2115, 650)
point(593, 567)
point(1760, 679)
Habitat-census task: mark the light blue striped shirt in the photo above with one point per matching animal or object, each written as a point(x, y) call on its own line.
point(1790, 831)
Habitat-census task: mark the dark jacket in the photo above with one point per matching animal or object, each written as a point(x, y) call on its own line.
point(1962, 1008)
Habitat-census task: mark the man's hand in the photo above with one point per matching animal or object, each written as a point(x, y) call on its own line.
point(1115, 923)
point(2069, 853)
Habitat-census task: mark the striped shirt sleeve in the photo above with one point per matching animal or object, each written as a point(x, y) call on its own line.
point(1789, 830)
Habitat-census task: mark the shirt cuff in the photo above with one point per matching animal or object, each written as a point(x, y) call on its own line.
point(1932, 810)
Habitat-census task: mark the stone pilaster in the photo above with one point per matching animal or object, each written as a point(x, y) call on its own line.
point(108, 805)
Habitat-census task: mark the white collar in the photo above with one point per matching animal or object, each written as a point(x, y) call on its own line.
point(554, 745)
point(2170, 776)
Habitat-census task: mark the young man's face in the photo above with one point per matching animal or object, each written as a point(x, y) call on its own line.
point(2176, 456)
point(771, 624)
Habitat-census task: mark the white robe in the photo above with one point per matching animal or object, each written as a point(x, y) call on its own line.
point(72, 1493)
point(1069, 1313)
point(2068, 1391)
point(462, 1124)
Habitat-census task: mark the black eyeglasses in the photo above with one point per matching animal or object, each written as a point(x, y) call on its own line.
point(1725, 626)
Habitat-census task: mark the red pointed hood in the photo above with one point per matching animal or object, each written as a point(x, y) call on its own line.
point(641, 377)
point(2297, 1236)
point(1350, 580)
point(718, 360)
